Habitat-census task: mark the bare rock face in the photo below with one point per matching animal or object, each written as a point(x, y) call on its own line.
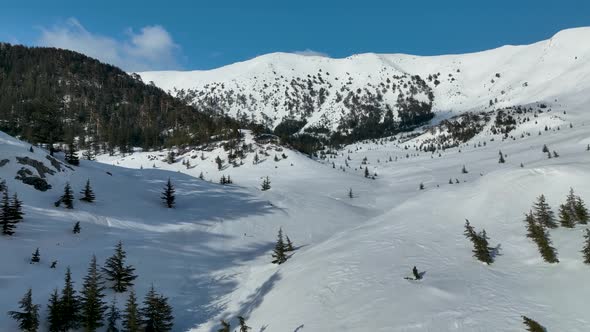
point(39, 166)
point(27, 177)
point(4, 162)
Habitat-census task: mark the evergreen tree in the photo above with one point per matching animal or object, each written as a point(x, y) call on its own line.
point(367, 172)
point(543, 213)
point(501, 160)
point(219, 163)
point(565, 216)
point(121, 275)
point(265, 184)
point(69, 304)
point(88, 194)
point(168, 194)
point(76, 229)
point(586, 249)
point(531, 325)
point(131, 317)
point(243, 326)
point(464, 170)
point(54, 317)
point(545, 148)
point(279, 255)
point(256, 158)
point(201, 176)
point(68, 197)
point(72, 155)
point(113, 317)
point(289, 245)
point(28, 318)
point(16, 208)
point(91, 300)
point(225, 327)
point(6, 215)
point(350, 194)
point(36, 258)
point(537, 233)
point(481, 249)
point(156, 312)
point(581, 211)
point(421, 186)
point(31, 149)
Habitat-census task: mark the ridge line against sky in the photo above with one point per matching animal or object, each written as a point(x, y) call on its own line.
point(187, 35)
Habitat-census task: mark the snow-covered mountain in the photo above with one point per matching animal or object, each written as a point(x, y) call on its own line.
point(358, 216)
point(341, 94)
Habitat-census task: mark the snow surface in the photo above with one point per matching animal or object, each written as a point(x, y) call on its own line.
point(211, 254)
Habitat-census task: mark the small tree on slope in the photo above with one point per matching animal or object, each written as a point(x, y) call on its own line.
point(28, 318)
point(265, 184)
point(243, 326)
point(481, 249)
point(156, 312)
point(72, 155)
point(225, 327)
point(36, 258)
point(131, 318)
point(113, 317)
point(586, 250)
point(168, 194)
point(69, 304)
point(543, 213)
point(278, 254)
point(120, 274)
point(537, 233)
point(54, 316)
point(6, 215)
point(531, 325)
point(68, 197)
point(92, 294)
point(16, 208)
point(88, 194)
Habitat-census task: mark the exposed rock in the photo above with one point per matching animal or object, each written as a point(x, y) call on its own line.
point(39, 166)
point(54, 162)
point(27, 177)
point(4, 162)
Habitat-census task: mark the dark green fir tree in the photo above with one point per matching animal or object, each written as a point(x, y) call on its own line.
point(117, 272)
point(91, 300)
point(168, 194)
point(28, 315)
point(87, 193)
point(156, 313)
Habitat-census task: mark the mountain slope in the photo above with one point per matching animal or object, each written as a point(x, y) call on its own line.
point(343, 94)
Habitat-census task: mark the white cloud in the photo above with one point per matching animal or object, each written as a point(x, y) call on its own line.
point(308, 52)
point(152, 48)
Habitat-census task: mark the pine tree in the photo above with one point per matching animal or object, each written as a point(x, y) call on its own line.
point(289, 245)
point(219, 163)
point(256, 158)
point(545, 148)
point(279, 250)
point(350, 194)
point(581, 211)
point(156, 312)
point(168, 194)
point(243, 326)
point(543, 213)
point(122, 276)
point(69, 304)
point(421, 187)
point(72, 155)
point(76, 229)
point(36, 258)
point(54, 317)
point(131, 317)
point(464, 170)
point(6, 215)
point(88, 195)
point(201, 176)
point(113, 317)
point(225, 327)
point(565, 216)
point(501, 160)
point(367, 172)
point(586, 249)
point(481, 249)
point(16, 208)
point(537, 233)
point(68, 197)
point(265, 184)
point(31, 149)
point(531, 325)
point(28, 318)
point(91, 300)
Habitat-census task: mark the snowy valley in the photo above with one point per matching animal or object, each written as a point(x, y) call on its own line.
point(360, 215)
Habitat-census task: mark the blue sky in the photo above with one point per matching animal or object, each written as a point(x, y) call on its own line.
point(156, 35)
